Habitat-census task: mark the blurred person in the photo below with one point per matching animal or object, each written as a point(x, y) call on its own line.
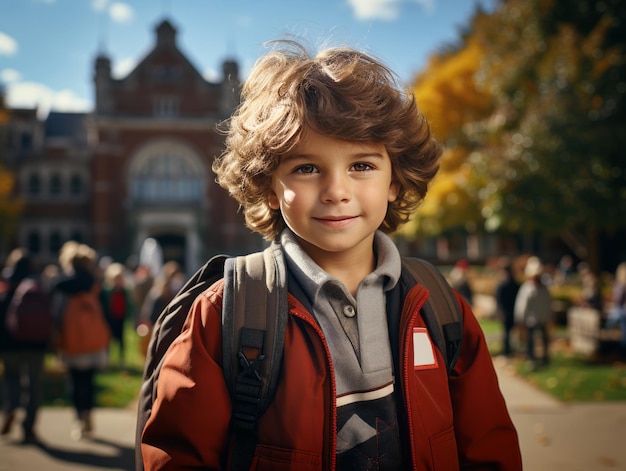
point(506, 293)
point(23, 360)
point(49, 275)
point(142, 283)
point(80, 278)
point(533, 310)
point(617, 311)
point(460, 282)
point(564, 269)
point(590, 293)
point(169, 281)
point(117, 304)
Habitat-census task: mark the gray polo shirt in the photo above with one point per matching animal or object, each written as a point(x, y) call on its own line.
point(357, 336)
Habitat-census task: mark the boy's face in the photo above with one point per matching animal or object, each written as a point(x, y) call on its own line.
point(333, 194)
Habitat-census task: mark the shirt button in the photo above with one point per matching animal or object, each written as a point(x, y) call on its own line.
point(349, 311)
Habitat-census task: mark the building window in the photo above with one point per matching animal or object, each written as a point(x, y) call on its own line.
point(54, 242)
point(26, 141)
point(166, 106)
point(33, 242)
point(166, 178)
point(56, 185)
point(166, 73)
point(34, 185)
point(76, 185)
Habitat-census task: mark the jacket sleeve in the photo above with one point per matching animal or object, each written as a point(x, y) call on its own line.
point(486, 436)
point(188, 427)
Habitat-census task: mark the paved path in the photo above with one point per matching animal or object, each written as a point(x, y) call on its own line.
point(564, 437)
point(553, 436)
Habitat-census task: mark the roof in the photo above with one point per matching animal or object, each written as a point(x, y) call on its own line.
point(62, 124)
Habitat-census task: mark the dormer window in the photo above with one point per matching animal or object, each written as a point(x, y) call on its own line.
point(166, 106)
point(166, 73)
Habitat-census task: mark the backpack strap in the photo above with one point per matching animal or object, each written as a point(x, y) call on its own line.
point(254, 319)
point(441, 312)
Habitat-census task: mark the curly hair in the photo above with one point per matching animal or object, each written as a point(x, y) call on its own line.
point(341, 93)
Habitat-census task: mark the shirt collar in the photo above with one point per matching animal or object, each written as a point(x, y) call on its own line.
point(312, 278)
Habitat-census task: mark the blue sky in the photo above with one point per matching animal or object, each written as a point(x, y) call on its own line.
point(48, 47)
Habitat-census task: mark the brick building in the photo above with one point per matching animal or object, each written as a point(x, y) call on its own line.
point(138, 166)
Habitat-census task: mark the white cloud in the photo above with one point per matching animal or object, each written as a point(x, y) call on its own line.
point(67, 100)
point(383, 9)
point(121, 12)
point(9, 75)
point(124, 67)
point(37, 95)
point(211, 75)
point(8, 45)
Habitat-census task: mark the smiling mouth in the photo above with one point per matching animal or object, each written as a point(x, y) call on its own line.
point(335, 218)
point(335, 221)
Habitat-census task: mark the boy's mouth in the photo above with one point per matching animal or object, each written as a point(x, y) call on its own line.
point(335, 220)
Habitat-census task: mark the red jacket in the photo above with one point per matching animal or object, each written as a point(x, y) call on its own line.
point(458, 424)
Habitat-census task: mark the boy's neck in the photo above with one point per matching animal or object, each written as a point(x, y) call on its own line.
point(350, 268)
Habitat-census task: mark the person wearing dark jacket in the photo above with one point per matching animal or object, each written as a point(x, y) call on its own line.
point(23, 360)
point(506, 292)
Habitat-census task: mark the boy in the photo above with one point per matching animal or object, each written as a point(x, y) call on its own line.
point(327, 155)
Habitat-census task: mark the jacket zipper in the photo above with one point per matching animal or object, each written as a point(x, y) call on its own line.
point(300, 312)
point(417, 301)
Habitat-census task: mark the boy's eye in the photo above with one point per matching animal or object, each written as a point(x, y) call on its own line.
point(306, 169)
point(362, 167)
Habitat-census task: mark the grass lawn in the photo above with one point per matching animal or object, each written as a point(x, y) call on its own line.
point(116, 386)
point(569, 377)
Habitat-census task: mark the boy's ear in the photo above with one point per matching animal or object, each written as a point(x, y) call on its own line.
point(272, 200)
point(394, 191)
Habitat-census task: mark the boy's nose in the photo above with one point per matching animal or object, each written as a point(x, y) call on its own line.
point(336, 188)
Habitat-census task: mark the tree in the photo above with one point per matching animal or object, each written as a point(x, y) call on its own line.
point(447, 95)
point(550, 156)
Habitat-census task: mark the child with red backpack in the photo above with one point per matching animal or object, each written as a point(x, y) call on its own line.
point(83, 335)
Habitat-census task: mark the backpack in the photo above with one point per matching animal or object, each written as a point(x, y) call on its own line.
point(84, 328)
point(29, 314)
point(252, 282)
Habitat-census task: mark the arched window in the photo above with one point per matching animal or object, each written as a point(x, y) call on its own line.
point(34, 184)
point(76, 185)
point(166, 175)
point(56, 185)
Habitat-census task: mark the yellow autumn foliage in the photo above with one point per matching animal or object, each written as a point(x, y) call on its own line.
point(447, 95)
